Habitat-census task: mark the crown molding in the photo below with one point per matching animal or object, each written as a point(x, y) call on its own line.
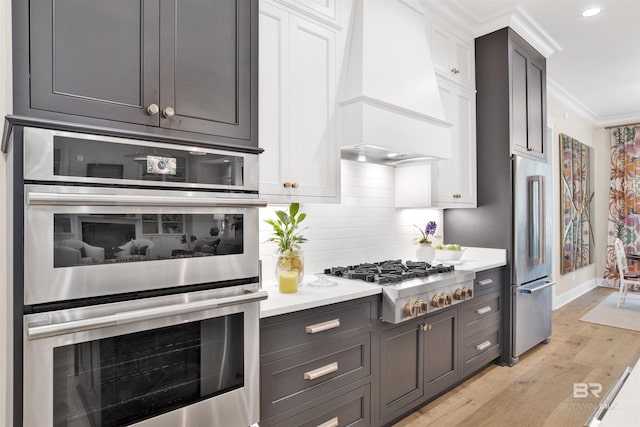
point(571, 101)
point(515, 17)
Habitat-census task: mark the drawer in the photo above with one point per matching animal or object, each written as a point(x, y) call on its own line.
point(300, 330)
point(481, 307)
point(489, 280)
point(294, 380)
point(486, 343)
point(348, 409)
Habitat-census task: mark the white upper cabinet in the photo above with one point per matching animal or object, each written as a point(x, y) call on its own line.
point(454, 180)
point(297, 84)
point(453, 56)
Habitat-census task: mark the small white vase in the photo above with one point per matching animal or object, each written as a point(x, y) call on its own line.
point(425, 252)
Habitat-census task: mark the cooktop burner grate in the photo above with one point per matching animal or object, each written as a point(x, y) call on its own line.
point(388, 272)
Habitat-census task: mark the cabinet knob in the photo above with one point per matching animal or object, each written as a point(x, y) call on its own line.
point(153, 109)
point(529, 149)
point(168, 112)
point(287, 184)
point(455, 71)
point(294, 185)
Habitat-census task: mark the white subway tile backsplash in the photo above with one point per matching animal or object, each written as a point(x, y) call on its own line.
point(365, 227)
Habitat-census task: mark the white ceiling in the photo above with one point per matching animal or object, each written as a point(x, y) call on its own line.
point(598, 66)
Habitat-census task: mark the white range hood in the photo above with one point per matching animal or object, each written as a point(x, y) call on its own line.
point(391, 106)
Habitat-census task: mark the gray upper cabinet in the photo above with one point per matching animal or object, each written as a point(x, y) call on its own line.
point(511, 94)
point(180, 68)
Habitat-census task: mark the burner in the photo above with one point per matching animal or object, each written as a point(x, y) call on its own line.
point(388, 272)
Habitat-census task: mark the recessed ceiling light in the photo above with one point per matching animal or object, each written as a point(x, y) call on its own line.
point(592, 11)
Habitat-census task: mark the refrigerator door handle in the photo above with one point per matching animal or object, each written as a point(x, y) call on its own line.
point(536, 212)
point(533, 290)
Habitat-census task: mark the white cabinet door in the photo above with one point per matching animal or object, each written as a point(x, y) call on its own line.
point(314, 150)
point(452, 56)
point(297, 128)
point(454, 180)
point(273, 69)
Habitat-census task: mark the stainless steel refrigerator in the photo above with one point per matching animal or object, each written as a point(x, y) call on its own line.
point(514, 213)
point(532, 282)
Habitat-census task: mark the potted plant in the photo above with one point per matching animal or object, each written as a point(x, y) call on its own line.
point(425, 252)
point(286, 234)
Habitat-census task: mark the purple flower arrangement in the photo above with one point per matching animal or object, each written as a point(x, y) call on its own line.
point(428, 231)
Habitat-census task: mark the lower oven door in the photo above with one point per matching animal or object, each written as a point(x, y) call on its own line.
point(180, 360)
point(83, 242)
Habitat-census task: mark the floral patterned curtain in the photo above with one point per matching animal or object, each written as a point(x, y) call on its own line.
point(624, 197)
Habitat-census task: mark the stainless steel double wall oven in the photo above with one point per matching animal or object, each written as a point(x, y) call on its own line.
point(140, 283)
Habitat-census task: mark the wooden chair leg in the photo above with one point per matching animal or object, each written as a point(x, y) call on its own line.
point(622, 293)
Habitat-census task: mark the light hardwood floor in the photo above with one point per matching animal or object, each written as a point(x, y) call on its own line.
point(538, 391)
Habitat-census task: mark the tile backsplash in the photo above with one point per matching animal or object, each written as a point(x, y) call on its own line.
point(364, 227)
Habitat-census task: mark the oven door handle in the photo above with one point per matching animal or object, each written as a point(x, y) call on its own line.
point(116, 319)
point(74, 199)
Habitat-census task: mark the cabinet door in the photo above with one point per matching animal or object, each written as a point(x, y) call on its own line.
point(536, 83)
point(274, 92)
point(528, 101)
point(441, 348)
point(95, 58)
point(401, 368)
point(206, 66)
point(455, 179)
point(312, 138)
point(451, 55)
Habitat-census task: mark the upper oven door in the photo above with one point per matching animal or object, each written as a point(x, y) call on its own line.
point(87, 242)
point(70, 157)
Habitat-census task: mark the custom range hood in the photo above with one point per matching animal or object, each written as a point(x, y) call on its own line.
point(391, 106)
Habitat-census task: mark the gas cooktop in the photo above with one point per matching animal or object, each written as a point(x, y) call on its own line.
point(388, 272)
point(411, 288)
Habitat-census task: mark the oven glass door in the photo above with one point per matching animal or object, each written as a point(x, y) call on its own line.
point(91, 242)
point(83, 158)
point(194, 368)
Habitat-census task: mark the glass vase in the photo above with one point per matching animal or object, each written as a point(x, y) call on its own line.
point(289, 270)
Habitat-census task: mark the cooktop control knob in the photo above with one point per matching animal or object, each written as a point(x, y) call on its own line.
point(460, 293)
point(447, 298)
point(437, 301)
point(421, 307)
point(469, 292)
point(410, 309)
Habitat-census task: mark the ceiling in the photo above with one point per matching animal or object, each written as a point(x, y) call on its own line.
point(597, 62)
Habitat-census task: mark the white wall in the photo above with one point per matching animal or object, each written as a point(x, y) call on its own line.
point(566, 120)
point(5, 108)
point(364, 227)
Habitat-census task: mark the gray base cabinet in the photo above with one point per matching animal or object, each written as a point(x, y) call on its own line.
point(418, 359)
point(316, 366)
point(176, 67)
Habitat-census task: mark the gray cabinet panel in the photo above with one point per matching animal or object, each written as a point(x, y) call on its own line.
point(94, 58)
point(351, 409)
point(519, 99)
point(206, 66)
point(482, 347)
point(286, 383)
point(441, 351)
point(480, 308)
point(282, 333)
point(535, 106)
point(401, 367)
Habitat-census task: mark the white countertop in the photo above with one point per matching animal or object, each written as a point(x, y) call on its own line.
point(474, 259)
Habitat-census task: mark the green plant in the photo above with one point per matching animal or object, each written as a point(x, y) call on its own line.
point(285, 228)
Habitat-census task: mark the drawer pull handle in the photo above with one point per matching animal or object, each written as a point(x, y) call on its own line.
point(320, 372)
point(485, 345)
point(483, 310)
point(324, 326)
point(333, 422)
point(485, 282)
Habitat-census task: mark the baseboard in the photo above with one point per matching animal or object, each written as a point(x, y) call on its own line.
point(567, 297)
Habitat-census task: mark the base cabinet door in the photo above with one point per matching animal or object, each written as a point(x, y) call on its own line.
point(401, 368)
point(441, 347)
